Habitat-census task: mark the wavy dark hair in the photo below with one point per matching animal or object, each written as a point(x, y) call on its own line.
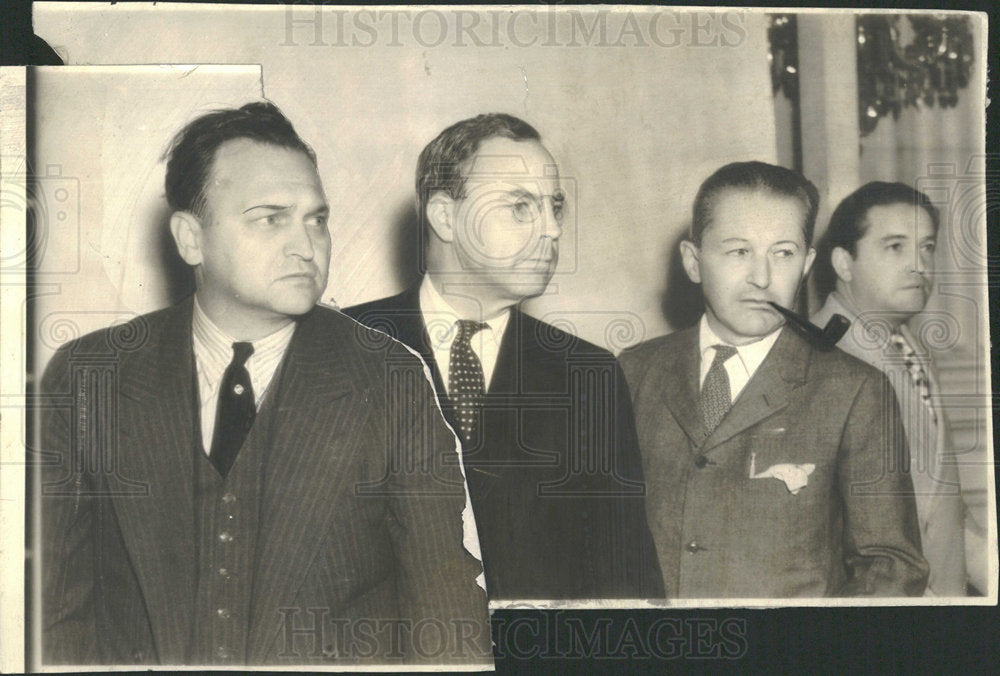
point(192, 151)
point(849, 223)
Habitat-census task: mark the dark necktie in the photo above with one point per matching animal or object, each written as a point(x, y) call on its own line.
point(235, 412)
point(715, 398)
point(466, 385)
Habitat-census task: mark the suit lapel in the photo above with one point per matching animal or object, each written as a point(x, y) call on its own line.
point(308, 473)
point(679, 385)
point(517, 346)
point(155, 456)
point(408, 322)
point(768, 391)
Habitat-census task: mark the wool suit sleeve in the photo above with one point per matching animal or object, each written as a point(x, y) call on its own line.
point(437, 587)
point(882, 537)
point(67, 538)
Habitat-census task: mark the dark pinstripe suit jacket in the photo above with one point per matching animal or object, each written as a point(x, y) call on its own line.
point(360, 516)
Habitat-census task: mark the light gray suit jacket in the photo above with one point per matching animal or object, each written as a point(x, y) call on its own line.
point(940, 509)
point(851, 530)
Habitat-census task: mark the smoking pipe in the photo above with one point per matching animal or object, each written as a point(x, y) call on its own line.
point(826, 337)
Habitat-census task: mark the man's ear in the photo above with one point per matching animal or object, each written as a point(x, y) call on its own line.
point(690, 257)
point(441, 215)
point(843, 264)
point(810, 259)
point(186, 230)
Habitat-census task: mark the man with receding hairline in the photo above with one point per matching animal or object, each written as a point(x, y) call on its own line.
point(261, 504)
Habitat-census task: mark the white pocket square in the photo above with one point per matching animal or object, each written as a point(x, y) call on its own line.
point(794, 476)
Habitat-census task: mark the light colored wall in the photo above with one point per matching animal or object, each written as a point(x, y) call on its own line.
point(635, 127)
point(103, 248)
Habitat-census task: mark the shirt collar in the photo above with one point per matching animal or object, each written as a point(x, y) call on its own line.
point(440, 317)
point(877, 336)
point(752, 355)
point(217, 345)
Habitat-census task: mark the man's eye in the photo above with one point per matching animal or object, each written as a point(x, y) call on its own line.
point(895, 247)
point(784, 253)
point(318, 222)
point(929, 247)
point(524, 211)
point(740, 252)
point(270, 220)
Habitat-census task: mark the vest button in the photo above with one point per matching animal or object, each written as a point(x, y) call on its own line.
point(228, 498)
point(225, 536)
point(222, 652)
point(224, 613)
point(225, 573)
point(693, 547)
point(700, 462)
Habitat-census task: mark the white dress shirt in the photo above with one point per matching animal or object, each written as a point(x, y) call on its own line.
point(213, 351)
point(441, 323)
point(740, 369)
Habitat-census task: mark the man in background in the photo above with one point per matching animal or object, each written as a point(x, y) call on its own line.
point(545, 420)
point(772, 466)
point(233, 479)
point(874, 267)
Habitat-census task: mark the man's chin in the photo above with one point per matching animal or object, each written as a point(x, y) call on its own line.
point(296, 307)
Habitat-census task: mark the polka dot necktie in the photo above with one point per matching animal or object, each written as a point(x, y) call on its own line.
point(465, 379)
point(916, 370)
point(235, 411)
point(715, 397)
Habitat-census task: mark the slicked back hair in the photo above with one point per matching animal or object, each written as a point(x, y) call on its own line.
point(191, 154)
point(754, 176)
point(849, 223)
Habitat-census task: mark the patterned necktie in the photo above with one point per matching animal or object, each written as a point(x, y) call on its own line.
point(715, 398)
point(235, 412)
point(466, 386)
point(916, 370)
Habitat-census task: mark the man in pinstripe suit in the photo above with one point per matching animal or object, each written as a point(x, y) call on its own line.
point(244, 477)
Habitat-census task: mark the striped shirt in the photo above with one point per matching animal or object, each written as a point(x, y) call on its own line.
point(213, 351)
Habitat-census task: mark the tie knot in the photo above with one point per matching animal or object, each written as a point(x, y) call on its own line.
point(897, 340)
point(722, 353)
point(467, 328)
point(241, 352)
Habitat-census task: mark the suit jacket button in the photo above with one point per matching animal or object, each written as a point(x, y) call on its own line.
point(700, 462)
point(692, 547)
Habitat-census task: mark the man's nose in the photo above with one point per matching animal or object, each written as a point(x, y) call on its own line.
point(300, 242)
point(552, 225)
point(759, 274)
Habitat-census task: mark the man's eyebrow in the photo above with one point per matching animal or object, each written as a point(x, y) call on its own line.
point(557, 196)
point(786, 241)
point(272, 207)
point(735, 239)
point(889, 238)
